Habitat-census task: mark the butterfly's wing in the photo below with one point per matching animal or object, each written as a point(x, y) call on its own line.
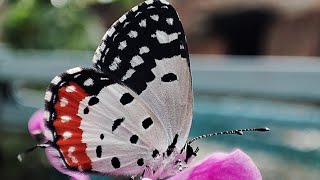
point(136, 104)
point(98, 125)
point(146, 50)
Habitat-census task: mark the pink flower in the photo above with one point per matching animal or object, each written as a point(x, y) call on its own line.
point(34, 126)
point(220, 166)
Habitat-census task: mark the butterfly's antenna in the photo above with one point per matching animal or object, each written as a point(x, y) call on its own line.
point(238, 132)
point(21, 155)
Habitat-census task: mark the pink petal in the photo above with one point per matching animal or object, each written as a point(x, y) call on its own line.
point(80, 177)
point(34, 123)
point(220, 166)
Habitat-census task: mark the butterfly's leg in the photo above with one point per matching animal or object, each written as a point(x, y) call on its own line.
point(180, 165)
point(141, 177)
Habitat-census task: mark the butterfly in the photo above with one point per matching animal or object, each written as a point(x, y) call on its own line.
point(131, 113)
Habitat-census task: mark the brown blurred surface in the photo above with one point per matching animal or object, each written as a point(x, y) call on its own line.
point(283, 28)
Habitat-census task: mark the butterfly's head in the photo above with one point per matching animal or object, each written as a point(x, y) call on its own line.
point(171, 162)
point(187, 153)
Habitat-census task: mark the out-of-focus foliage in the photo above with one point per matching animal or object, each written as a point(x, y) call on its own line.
point(55, 24)
point(37, 24)
point(127, 3)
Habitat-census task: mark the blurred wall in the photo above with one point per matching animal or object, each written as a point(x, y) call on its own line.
point(263, 27)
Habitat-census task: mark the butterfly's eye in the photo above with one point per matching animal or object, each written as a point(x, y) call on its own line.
point(190, 152)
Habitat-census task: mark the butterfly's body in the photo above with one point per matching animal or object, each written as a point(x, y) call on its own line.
point(164, 166)
point(131, 114)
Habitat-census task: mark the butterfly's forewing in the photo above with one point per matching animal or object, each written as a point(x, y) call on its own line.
point(146, 50)
point(98, 125)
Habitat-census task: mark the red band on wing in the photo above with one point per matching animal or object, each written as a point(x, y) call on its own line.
point(67, 126)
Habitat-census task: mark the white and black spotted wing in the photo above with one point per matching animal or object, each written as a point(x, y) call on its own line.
point(100, 125)
point(146, 50)
point(134, 109)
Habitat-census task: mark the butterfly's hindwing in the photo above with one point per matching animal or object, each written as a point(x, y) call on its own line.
point(102, 126)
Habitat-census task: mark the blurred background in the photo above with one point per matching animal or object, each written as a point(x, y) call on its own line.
point(254, 64)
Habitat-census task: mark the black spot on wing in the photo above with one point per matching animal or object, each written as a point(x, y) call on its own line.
point(134, 139)
point(117, 123)
point(115, 162)
point(155, 153)
point(101, 136)
point(126, 99)
point(93, 101)
point(86, 110)
point(169, 77)
point(99, 151)
point(140, 162)
point(147, 123)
